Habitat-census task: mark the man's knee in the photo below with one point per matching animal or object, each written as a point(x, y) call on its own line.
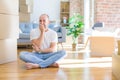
point(22, 55)
point(63, 52)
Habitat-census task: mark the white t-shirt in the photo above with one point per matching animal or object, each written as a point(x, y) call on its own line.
point(49, 36)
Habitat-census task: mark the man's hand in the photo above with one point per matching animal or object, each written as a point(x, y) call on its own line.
point(35, 47)
point(36, 43)
point(42, 27)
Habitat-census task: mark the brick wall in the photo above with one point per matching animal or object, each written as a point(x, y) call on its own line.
point(76, 6)
point(108, 11)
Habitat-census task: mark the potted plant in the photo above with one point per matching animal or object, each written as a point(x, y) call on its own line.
point(75, 27)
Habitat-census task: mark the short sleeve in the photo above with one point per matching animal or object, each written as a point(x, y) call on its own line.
point(54, 37)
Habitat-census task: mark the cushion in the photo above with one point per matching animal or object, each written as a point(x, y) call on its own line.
point(51, 25)
point(26, 27)
point(57, 29)
point(21, 25)
point(24, 36)
point(20, 31)
point(35, 25)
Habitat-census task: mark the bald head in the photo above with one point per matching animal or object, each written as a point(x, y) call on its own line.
point(45, 15)
point(44, 20)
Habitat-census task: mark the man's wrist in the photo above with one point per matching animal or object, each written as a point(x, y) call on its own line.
point(40, 51)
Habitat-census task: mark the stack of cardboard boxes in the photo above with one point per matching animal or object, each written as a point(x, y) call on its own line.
point(25, 10)
point(9, 26)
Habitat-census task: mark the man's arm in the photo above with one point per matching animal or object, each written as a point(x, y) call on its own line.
point(53, 44)
point(38, 42)
point(52, 48)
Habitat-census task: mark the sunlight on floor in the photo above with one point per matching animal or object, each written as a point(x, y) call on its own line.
point(89, 62)
point(102, 65)
point(65, 61)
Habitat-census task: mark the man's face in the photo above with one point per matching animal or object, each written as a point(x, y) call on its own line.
point(44, 20)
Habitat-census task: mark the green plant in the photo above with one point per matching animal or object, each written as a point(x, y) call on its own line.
point(75, 27)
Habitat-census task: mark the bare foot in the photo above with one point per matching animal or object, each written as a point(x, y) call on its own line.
point(31, 65)
point(54, 65)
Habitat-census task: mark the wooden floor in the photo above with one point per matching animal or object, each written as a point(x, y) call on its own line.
point(78, 65)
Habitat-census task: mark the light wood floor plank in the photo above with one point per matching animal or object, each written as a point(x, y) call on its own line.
point(76, 66)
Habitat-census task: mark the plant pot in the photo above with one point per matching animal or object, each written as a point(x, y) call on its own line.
point(74, 47)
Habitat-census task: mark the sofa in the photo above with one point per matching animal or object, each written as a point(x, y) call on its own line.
point(25, 29)
point(24, 33)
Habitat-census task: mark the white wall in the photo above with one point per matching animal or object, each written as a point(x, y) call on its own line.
point(50, 7)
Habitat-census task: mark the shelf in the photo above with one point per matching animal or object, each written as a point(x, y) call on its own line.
point(64, 24)
point(64, 13)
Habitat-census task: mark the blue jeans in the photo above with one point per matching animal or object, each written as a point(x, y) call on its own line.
point(43, 59)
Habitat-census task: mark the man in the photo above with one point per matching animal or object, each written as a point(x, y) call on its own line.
point(44, 42)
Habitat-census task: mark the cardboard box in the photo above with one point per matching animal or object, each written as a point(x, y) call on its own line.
point(24, 17)
point(9, 6)
point(22, 2)
point(25, 9)
point(118, 47)
point(8, 53)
